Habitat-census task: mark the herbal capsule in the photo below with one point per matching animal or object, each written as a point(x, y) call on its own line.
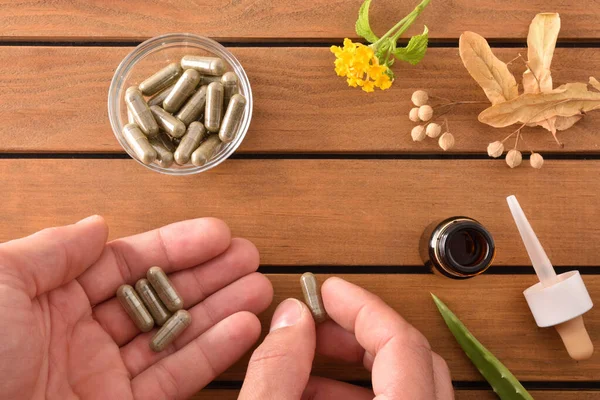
point(141, 112)
point(169, 123)
point(135, 308)
point(214, 107)
point(193, 108)
point(170, 330)
point(183, 89)
point(205, 65)
point(232, 118)
point(148, 295)
point(194, 135)
point(166, 141)
point(161, 79)
point(312, 297)
point(130, 118)
point(230, 86)
point(139, 143)
point(165, 290)
point(206, 80)
point(158, 98)
point(164, 157)
point(204, 153)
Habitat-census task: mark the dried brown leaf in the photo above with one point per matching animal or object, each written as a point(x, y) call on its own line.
point(594, 83)
point(490, 73)
point(564, 123)
point(541, 42)
point(565, 101)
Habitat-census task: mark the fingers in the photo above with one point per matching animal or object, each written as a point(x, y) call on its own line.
point(173, 247)
point(336, 342)
point(193, 284)
point(54, 256)
point(188, 370)
point(402, 366)
point(253, 293)
point(442, 379)
point(280, 367)
point(326, 389)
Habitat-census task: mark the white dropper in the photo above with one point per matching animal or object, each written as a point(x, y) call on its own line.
point(558, 300)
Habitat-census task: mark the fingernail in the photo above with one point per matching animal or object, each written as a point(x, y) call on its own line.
point(87, 219)
point(288, 313)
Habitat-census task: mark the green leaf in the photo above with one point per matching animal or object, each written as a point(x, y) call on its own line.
point(415, 50)
point(506, 386)
point(363, 29)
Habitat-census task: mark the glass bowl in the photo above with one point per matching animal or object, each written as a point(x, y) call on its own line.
point(155, 54)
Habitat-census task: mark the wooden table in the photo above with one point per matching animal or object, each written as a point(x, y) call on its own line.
point(322, 182)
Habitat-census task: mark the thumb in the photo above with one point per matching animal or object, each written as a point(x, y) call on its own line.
point(280, 366)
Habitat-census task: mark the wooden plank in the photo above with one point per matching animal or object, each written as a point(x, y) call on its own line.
point(317, 212)
point(492, 307)
point(286, 19)
point(232, 394)
point(54, 100)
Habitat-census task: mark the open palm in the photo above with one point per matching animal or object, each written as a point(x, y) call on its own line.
point(64, 335)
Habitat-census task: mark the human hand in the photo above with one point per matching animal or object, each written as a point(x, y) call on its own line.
point(363, 329)
point(64, 334)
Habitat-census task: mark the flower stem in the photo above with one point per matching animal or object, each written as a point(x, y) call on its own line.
point(403, 25)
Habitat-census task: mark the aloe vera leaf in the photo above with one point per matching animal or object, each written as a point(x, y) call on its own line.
point(504, 383)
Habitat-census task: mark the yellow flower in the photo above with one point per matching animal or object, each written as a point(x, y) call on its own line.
point(383, 82)
point(368, 86)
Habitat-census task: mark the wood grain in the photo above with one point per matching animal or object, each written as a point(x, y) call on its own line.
point(318, 212)
point(286, 19)
point(53, 99)
point(492, 307)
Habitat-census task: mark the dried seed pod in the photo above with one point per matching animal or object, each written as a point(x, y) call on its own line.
point(446, 141)
point(425, 113)
point(420, 98)
point(433, 130)
point(514, 158)
point(418, 133)
point(413, 115)
point(536, 160)
point(495, 149)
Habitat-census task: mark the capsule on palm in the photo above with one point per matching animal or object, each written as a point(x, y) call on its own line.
point(164, 157)
point(214, 107)
point(204, 65)
point(205, 152)
point(134, 307)
point(161, 79)
point(139, 143)
point(157, 309)
point(170, 330)
point(165, 289)
point(183, 89)
point(312, 297)
point(169, 123)
point(190, 141)
point(230, 86)
point(192, 109)
point(232, 118)
point(141, 112)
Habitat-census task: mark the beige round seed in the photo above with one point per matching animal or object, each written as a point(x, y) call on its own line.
point(190, 142)
point(170, 330)
point(205, 152)
point(135, 308)
point(169, 123)
point(232, 118)
point(164, 157)
point(214, 107)
point(165, 290)
point(312, 296)
point(205, 65)
point(141, 112)
point(230, 86)
point(139, 143)
point(182, 90)
point(161, 79)
point(192, 109)
point(158, 98)
point(157, 309)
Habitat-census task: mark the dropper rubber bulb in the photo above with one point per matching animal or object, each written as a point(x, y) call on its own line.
point(558, 301)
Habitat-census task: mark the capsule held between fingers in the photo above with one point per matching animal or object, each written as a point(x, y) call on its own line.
point(165, 289)
point(205, 65)
point(139, 143)
point(312, 297)
point(134, 307)
point(192, 109)
point(141, 112)
point(164, 157)
point(161, 79)
point(190, 142)
point(205, 152)
point(214, 106)
point(230, 86)
point(157, 309)
point(170, 330)
point(183, 89)
point(169, 123)
point(159, 97)
point(232, 118)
